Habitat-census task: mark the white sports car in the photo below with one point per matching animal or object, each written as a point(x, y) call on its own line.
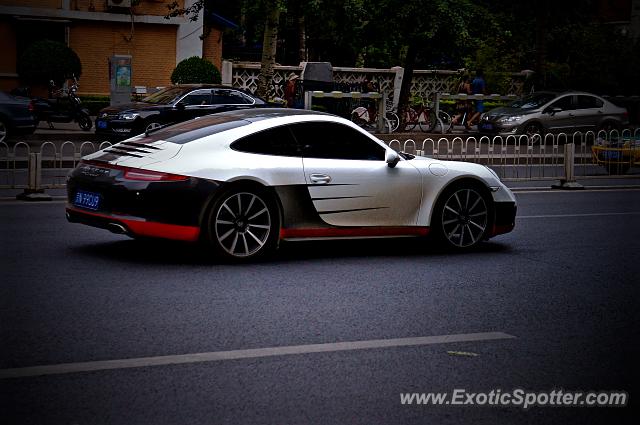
point(242, 181)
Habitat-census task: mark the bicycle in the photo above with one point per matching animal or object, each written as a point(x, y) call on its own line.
point(425, 118)
point(367, 116)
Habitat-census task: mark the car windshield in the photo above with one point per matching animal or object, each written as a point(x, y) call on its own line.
point(165, 96)
point(533, 101)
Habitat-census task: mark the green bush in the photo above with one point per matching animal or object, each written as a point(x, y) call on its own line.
point(48, 60)
point(195, 70)
point(94, 103)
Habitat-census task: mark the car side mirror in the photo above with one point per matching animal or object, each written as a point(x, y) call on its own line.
point(553, 111)
point(391, 158)
point(180, 106)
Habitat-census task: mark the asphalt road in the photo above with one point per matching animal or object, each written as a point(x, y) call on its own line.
point(562, 289)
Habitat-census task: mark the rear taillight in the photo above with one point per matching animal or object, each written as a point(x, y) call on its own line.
point(139, 174)
point(151, 176)
point(31, 106)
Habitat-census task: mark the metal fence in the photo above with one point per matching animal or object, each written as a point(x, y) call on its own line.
point(519, 157)
point(23, 166)
point(46, 166)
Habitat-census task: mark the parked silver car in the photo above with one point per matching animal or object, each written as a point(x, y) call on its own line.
point(543, 112)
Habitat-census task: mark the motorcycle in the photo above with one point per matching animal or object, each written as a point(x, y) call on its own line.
point(60, 108)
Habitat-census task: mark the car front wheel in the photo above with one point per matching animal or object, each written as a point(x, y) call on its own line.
point(462, 217)
point(243, 224)
point(152, 125)
point(533, 129)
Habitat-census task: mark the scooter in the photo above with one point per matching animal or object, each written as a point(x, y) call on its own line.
point(58, 109)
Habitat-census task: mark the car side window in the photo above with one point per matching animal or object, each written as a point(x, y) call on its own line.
point(335, 141)
point(197, 97)
point(275, 141)
point(565, 103)
point(589, 102)
point(229, 97)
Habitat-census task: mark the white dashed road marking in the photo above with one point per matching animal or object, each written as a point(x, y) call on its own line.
point(245, 354)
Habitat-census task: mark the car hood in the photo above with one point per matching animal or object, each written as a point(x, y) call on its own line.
point(130, 107)
point(506, 111)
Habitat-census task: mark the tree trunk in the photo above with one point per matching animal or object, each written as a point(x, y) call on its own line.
point(405, 88)
point(270, 42)
point(541, 44)
point(302, 36)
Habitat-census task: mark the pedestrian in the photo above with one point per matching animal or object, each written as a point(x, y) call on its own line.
point(291, 90)
point(478, 86)
point(463, 106)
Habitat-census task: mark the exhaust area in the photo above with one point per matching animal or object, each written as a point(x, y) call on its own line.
point(117, 228)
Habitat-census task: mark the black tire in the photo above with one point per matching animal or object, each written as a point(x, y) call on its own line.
point(617, 168)
point(392, 121)
point(609, 126)
point(243, 224)
point(533, 129)
point(356, 119)
point(463, 216)
point(4, 130)
point(430, 124)
point(84, 121)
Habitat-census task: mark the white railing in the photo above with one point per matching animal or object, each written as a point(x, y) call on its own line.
point(425, 83)
point(512, 157)
point(53, 161)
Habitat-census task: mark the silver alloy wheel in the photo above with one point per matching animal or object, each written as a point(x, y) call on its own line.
point(3, 131)
point(465, 217)
point(152, 126)
point(242, 224)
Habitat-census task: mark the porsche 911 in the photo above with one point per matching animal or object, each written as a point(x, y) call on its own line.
point(242, 181)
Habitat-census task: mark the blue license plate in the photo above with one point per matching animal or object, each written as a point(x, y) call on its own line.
point(486, 126)
point(101, 124)
point(88, 200)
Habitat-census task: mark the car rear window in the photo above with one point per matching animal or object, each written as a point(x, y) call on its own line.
point(189, 131)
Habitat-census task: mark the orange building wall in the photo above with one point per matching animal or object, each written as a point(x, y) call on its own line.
point(212, 47)
point(44, 4)
point(8, 56)
point(152, 47)
point(145, 7)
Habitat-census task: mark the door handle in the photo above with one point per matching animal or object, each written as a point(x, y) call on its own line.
point(319, 178)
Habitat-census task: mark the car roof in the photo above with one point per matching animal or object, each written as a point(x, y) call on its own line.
point(259, 114)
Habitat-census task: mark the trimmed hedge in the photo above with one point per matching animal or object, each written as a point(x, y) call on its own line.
point(195, 70)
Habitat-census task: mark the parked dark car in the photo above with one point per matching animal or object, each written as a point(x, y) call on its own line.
point(16, 116)
point(542, 112)
point(172, 105)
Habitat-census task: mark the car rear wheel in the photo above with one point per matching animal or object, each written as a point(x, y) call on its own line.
point(84, 121)
point(4, 130)
point(462, 217)
point(243, 224)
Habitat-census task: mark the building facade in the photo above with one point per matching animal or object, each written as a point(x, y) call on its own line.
point(99, 29)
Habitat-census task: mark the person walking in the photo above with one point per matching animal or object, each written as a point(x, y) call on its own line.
point(291, 90)
point(463, 106)
point(478, 86)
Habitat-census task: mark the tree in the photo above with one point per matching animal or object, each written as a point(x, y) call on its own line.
point(428, 30)
point(269, 46)
point(271, 10)
point(48, 60)
point(195, 70)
